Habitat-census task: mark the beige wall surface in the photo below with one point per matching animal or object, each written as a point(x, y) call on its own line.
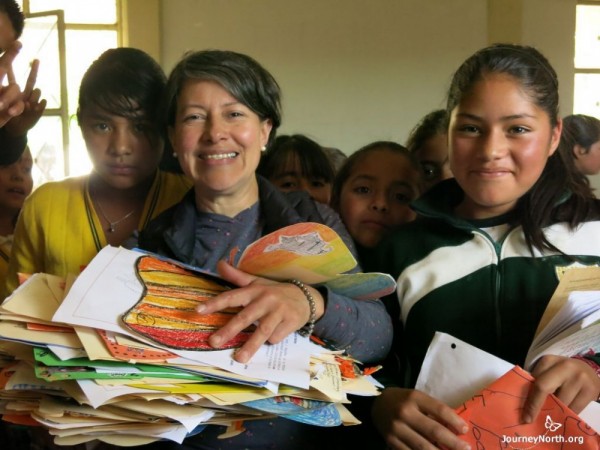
point(351, 71)
point(355, 71)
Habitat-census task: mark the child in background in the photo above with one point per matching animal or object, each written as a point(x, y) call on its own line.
point(373, 189)
point(64, 224)
point(481, 261)
point(582, 142)
point(336, 157)
point(297, 163)
point(16, 184)
point(429, 142)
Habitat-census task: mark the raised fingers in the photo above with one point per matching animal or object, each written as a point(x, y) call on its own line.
point(31, 79)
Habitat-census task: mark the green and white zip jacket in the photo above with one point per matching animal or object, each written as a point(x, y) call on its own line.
point(455, 278)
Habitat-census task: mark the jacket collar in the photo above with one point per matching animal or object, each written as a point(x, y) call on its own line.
point(275, 208)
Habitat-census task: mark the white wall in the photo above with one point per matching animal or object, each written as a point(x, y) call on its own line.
point(351, 71)
point(355, 71)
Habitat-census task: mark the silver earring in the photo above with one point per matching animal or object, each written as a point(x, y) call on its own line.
point(174, 155)
point(263, 148)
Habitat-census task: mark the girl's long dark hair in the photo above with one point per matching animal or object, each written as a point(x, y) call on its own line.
point(562, 193)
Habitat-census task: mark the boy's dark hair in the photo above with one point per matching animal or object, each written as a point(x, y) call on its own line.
point(123, 81)
point(15, 15)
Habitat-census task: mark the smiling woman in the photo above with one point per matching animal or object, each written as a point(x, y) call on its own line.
point(222, 108)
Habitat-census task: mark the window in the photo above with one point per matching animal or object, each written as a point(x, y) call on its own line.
point(587, 59)
point(66, 36)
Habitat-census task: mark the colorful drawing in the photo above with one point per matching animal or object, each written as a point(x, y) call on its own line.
point(166, 313)
point(315, 254)
point(310, 252)
point(129, 353)
point(494, 418)
point(312, 412)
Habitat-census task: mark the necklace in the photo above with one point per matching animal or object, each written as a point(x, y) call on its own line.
point(112, 225)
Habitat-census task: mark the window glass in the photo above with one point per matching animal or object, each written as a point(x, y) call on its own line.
point(46, 147)
point(80, 11)
point(40, 41)
point(87, 45)
point(587, 37)
point(82, 46)
point(587, 94)
point(79, 161)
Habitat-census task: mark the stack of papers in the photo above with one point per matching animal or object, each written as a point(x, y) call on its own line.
point(571, 323)
point(93, 359)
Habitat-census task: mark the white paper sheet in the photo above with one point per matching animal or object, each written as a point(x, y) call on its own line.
point(109, 287)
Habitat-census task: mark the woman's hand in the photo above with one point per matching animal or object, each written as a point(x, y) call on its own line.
point(409, 419)
point(277, 309)
point(572, 381)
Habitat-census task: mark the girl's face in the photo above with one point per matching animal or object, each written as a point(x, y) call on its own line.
point(217, 138)
point(499, 143)
point(587, 161)
point(16, 183)
point(291, 178)
point(125, 151)
point(433, 156)
point(375, 198)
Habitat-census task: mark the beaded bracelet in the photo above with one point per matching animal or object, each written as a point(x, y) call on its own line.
point(307, 329)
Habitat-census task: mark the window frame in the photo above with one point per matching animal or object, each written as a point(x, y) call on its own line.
point(63, 112)
point(583, 70)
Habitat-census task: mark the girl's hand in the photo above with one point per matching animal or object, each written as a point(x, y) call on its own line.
point(409, 419)
point(573, 382)
point(34, 106)
point(277, 309)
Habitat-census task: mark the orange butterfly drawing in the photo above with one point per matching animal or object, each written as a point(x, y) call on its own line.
point(166, 313)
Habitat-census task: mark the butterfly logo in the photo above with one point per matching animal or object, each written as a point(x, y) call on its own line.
point(550, 425)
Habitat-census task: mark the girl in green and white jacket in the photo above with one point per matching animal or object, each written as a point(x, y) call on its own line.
point(481, 261)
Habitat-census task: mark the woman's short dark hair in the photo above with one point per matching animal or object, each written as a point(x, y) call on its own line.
point(314, 162)
point(355, 158)
point(123, 81)
point(242, 76)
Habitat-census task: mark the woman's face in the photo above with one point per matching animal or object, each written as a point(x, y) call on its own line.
point(291, 178)
point(125, 151)
point(16, 183)
point(375, 198)
point(218, 139)
point(499, 143)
